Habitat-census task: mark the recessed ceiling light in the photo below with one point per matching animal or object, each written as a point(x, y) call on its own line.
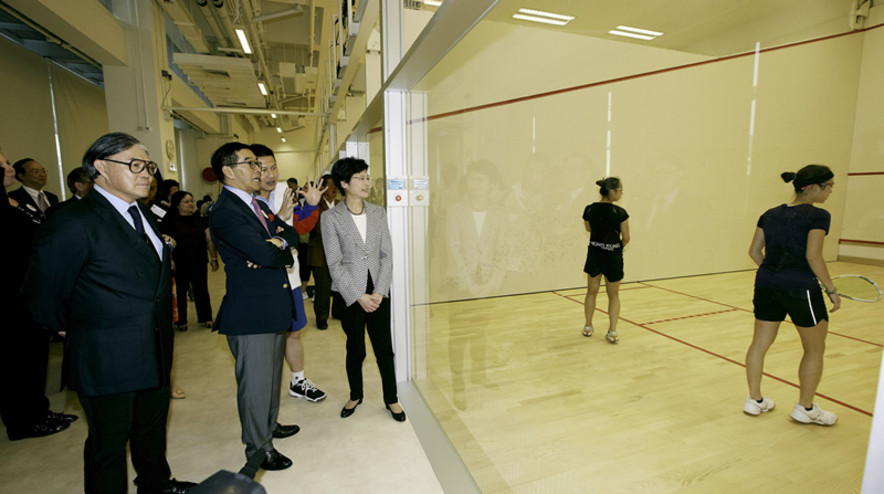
point(541, 20)
point(244, 41)
point(262, 88)
point(639, 31)
point(283, 139)
point(432, 3)
point(551, 15)
point(631, 35)
point(279, 130)
point(272, 115)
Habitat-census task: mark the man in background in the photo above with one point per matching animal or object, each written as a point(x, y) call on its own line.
point(31, 195)
point(79, 184)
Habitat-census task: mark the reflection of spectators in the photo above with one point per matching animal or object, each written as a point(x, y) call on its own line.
point(476, 230)
point(476, 233)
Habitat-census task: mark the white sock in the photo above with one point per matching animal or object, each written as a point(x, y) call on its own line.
point(297, 377)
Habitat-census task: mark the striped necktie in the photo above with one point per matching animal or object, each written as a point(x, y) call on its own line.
point(41, 202)
point(260, 215)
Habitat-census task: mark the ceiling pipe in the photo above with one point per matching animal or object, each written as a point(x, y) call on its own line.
point(257, 39)
point(311, 101)
point(279, 13)
point(212, 21)
point(243, 111)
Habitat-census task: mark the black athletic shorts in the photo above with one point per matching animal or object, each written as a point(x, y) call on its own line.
point(608, 263)
point(806, 308)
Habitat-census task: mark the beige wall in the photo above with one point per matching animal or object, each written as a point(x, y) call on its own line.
point(28, 129)
point(82, 116)
point(679, 140)
point(864, 208)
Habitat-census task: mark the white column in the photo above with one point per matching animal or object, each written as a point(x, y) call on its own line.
point(396, 173)
point(134, 92)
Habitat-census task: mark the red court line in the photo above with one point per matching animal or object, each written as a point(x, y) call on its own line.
point(621, 289)
point(580, 87)
point(690, 317)
point(835, 333)
point(860, 174)
point(694, 296)
point(728, 359)
point(852, 241)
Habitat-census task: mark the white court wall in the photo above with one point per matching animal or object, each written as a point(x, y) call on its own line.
point(864, 208)
point(697, 169)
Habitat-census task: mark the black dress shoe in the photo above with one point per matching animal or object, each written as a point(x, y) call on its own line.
point(321, 324)
point(346, 412)
point(45, 427)
point(173, 487)
point(284, 431)
point(63, 417)
point(274, 460)
point(398, 417)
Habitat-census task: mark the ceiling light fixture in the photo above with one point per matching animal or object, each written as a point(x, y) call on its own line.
point(634, 32)
point(283, 139)
point(542, 20)
point(631, 35)
point(262, 88)
point(550, 15)
point(273, 115)
point(639, 31)
point(244, 41)
point(433, 3)
point(279, 130)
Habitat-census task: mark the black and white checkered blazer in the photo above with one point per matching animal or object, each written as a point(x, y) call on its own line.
point(350, 260)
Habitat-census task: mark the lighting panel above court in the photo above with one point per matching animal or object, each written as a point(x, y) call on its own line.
point(543, 17)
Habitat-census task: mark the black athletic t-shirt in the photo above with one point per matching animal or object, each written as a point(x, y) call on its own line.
point(785, 228)
point(604, 224)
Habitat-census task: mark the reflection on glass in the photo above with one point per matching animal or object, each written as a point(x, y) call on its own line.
point(520, 122)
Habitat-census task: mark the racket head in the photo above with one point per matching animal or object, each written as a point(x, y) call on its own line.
point(857, 287)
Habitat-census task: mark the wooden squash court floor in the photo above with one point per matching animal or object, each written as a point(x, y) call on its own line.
point(533, 406)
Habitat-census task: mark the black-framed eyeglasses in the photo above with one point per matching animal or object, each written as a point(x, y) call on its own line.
point(253, 164)
point(136, 165)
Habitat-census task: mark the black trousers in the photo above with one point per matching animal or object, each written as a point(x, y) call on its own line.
point(138, 418)
point(355, 321)
point(322, 293)
point(24, 358)
point(196, 275)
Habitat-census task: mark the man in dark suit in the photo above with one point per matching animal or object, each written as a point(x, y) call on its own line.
point(79, 184)
point(24, 354)
point(31, 195)
point(101, 273)
point(257, 309)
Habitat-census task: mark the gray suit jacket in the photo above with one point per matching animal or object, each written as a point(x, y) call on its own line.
point(350, 260)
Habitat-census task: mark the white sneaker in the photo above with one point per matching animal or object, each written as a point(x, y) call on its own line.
point(815, 415)
point(752, 407)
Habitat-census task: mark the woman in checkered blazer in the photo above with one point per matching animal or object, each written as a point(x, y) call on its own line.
point(358, 250)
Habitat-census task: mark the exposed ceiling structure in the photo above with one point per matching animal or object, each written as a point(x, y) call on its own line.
point(24, 32)
point(285, 39)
